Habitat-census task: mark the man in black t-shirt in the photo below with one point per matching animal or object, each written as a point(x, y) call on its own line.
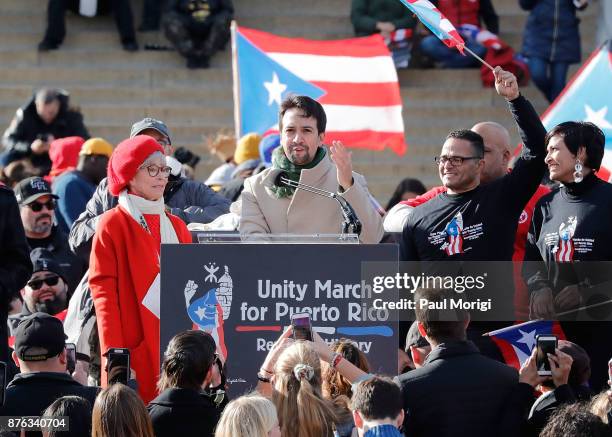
point(474, 222)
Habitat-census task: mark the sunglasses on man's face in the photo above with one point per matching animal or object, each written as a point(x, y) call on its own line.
point(37, 283)
point(38, 206)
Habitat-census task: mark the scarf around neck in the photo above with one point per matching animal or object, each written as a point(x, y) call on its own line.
point(137, 206)
point(280, 161)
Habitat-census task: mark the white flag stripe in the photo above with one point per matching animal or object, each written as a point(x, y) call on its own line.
point(344, 69)
point(342, 118)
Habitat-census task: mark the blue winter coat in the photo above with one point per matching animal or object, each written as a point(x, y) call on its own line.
point(552, 30)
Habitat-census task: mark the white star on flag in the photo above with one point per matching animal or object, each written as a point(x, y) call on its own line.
point(275, 89)
point(200, 312)
point(528, 339)
point(597, 117)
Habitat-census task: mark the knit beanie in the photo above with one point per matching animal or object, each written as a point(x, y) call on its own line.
point(247, 148)
point(126, 158)
point(64, 154)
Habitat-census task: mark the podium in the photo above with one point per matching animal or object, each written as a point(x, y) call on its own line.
point(243, 292)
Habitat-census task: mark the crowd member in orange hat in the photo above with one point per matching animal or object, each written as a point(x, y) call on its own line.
point(125, 257)
point(64, 155)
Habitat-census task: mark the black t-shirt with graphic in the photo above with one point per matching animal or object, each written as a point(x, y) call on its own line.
point(570, 226)
point(480, 225)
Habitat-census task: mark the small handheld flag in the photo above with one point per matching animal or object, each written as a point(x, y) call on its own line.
point(440, 26)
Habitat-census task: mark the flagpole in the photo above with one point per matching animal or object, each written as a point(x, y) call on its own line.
point(236, 84)
point(477, 57)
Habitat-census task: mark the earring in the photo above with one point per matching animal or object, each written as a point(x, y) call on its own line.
point(578, 176)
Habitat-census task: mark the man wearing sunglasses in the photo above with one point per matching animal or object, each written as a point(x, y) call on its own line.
point(37, 208)
point(190, 200)
point(46, 291)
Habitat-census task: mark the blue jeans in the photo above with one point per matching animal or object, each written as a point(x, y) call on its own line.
point(549, 77)
point(450, 57)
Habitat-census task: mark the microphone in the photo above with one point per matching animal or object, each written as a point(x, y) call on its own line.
point(351, 223)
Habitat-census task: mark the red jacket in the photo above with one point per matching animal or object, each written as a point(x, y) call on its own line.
point(123, 265)
point(470, 12)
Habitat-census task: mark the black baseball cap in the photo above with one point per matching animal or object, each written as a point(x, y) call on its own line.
point(43, 332)
point(44, 261)
point(30, 189)
point(150, 123)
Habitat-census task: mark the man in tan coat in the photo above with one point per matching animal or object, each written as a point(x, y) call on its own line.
point(268, 209)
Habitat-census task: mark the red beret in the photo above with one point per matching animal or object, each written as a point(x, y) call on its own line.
point(126, 158)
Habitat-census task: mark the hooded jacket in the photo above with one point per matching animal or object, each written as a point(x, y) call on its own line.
point(551, 31)
point(27, 125)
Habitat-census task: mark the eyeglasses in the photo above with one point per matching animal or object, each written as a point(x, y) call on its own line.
point(37, 283)
point(154, 170)
point(38, 206)
point(454, 160)
point(163, 143)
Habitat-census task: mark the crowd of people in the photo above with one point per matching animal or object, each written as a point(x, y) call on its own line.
point(197, 29)
point(81, 233)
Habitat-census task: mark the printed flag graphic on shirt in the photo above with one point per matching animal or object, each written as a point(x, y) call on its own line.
point(354, 79)
point(517, 342)
point(435, 21)
point(454, 230)
point(588, 97)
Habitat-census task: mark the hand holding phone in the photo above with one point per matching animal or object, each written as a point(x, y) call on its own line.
point(302, 329)
point(70, 357)
point(118, 365)
point(546, 344)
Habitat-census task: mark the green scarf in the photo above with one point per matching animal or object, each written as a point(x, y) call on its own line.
point(280, 161)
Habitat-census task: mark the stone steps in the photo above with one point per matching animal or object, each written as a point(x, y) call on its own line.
point(113, 88)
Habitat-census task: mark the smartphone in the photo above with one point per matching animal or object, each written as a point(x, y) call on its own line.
point(2, 382)
point(546, 344)
point(610, 372)
point(302, 329)
point(118, 365)
point(70, 357)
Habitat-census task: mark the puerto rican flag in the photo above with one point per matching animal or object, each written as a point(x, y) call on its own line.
point(587, 97)
point(435, 21)
point(517, 342)
point(455, 239)
point(354, 79)
point(565, 252)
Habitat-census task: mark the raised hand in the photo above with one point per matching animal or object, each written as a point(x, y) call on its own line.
point(506, 84)
point(344, 164)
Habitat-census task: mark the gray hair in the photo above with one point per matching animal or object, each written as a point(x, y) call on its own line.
point(152, 157)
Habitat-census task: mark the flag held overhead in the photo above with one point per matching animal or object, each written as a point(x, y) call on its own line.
point(435, 21)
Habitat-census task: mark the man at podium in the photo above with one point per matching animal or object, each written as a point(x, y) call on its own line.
point(270, 205)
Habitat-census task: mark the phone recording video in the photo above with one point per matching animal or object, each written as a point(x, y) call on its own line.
point(546, 344)
point(70, 357)
point(302, 329)
point(118, 366)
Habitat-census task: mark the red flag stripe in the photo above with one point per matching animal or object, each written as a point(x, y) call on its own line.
point(369, 94)
point(375, 140)
point(370, 46)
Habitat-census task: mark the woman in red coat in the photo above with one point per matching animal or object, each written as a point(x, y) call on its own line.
point(125, 257)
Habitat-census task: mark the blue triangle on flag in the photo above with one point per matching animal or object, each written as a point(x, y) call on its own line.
point(263, 83)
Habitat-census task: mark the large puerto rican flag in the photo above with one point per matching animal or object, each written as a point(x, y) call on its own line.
point(517, 342)
point(354, 79)
point(588, 97)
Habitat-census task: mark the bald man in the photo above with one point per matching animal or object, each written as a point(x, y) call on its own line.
point(497, 150)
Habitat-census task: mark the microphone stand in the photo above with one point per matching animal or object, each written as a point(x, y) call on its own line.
point(351, 223)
